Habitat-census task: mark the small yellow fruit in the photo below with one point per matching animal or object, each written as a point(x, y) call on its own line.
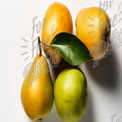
point(93, 29)
point(37, 90)
point(57, 19)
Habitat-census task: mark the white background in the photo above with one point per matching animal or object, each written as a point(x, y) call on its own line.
point(104, 81)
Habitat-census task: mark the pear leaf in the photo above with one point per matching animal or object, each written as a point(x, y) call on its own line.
point(71, 48)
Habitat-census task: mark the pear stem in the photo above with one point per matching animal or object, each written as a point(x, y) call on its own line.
point(40, 50)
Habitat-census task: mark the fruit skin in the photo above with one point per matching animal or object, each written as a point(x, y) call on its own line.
point(70, 93)
point(57, 19)
point(93, 29)
point(37, 90)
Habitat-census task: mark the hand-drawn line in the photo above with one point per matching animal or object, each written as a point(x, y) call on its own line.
point(91, 18)
point(26, 58)
point(24, 39)
point(119, 6)
point(24, 53)
point(23, 46)
point(91, 32)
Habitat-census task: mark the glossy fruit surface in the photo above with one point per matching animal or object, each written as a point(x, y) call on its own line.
point(70, 93)
point(37, 90)
point(56, 19)
point(93, 29)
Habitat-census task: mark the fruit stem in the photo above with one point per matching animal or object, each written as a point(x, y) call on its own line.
point(40, 50)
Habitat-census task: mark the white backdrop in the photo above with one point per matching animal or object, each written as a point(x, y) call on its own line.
point(104, 77)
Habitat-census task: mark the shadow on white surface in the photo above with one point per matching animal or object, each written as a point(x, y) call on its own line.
point(106, 73)
point(60, 67)
point(89, 114)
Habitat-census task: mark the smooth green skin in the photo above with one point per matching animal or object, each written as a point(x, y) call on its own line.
point(70, 93)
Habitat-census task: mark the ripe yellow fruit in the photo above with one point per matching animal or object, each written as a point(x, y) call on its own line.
point(37, 90)
point(93, 29)
point(56, 19)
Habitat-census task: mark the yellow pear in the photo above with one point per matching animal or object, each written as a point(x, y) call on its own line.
point(37, 90)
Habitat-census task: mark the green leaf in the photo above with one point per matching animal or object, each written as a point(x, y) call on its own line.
point(71, 48)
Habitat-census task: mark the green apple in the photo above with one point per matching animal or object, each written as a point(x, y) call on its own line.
point(70, 93)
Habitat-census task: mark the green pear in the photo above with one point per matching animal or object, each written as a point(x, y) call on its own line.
point(37, 90)
point(70, 93)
